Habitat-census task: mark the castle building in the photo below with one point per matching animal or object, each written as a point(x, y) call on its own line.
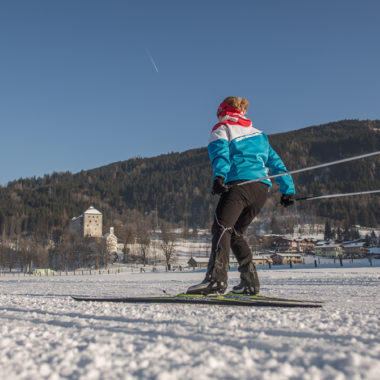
point(90, 223)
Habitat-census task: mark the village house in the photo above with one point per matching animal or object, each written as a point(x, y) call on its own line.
point(355, 249)
point(284, 244)
point(286, 258)
point(306, 245)
point(198, 262)
point(296, 245)
point(262, 260)
point(328, 250)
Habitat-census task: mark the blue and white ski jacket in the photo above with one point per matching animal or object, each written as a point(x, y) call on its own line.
point(238, 151)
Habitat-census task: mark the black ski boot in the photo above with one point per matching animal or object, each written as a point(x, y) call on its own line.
point(208, 286)
point(244, 288)
point(249, 280)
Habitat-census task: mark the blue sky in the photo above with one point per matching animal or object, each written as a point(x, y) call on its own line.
point(87, 83)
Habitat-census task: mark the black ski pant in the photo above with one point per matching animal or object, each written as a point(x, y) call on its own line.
point(234, 213)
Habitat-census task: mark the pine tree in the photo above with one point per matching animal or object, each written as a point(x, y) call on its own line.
point(275, 226)
point(328, 232)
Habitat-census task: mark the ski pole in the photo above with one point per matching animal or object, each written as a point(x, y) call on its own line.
point(310, 168)
point(336, 195)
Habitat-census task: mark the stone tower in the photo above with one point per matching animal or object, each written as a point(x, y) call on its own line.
point(90, 223)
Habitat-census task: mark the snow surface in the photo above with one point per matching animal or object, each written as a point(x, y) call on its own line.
point(46, 335)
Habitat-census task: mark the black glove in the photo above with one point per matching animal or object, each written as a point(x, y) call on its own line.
point(287, 200)
point(218, 187)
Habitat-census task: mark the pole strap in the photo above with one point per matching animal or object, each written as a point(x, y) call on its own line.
point(310, 168)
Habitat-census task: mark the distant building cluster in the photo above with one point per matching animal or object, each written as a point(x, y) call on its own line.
point(288, 250)
point(90, 224)
point(326, 248)
point(285, 249)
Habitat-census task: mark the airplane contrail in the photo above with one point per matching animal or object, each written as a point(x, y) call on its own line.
point(151, 59)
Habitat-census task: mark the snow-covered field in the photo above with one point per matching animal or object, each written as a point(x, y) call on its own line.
point(46, 335)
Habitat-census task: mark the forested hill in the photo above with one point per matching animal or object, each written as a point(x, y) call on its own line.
point(177, 185)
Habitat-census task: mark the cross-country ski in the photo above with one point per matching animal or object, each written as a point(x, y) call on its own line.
point(216, 300)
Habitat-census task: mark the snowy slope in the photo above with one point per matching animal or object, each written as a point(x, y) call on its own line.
point(46, 335)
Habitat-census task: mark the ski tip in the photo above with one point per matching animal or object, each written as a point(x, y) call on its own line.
point(274, 298)
point(81, 298)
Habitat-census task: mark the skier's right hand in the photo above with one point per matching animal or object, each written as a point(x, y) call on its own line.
point(218, 187)
point(287, 200)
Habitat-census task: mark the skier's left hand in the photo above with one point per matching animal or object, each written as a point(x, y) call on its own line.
point(287, 200)
point(218, 187)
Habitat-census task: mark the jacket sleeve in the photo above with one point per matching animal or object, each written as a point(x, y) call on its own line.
point(219, 151)
point(276, 166)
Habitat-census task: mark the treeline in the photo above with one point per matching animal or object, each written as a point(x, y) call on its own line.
point(68, 251)
point(175, 187)
point(25, 253)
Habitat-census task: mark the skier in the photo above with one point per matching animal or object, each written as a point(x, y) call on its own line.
point(238, 152)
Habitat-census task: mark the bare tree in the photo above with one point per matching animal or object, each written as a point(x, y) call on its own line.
point(1, 254)
point(25, 250)
point(100, 253)
point(41, 255)
point(126, 232)
point(87, 250)
point(67, 252)
point(4, 254)
point(9, 255)
point(167, 244)
point(143, 241)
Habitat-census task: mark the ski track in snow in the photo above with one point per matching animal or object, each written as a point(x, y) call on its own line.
point(47, 335)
